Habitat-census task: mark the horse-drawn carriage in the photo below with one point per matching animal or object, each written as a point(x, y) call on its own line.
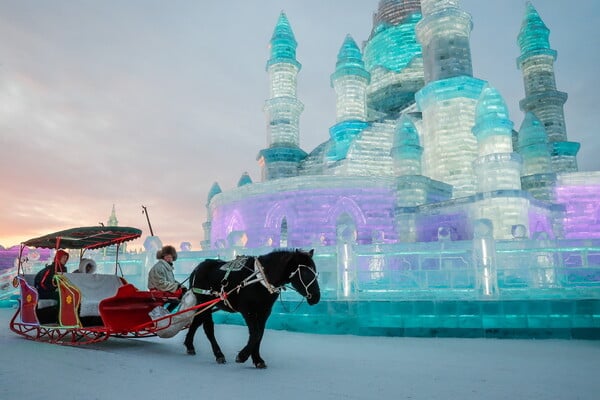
point(90, 307)
point(93, 307)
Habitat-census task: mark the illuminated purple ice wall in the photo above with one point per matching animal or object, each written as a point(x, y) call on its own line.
point(303, 211)
point(580, 193)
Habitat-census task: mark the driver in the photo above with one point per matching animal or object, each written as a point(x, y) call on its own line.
point(161, 277)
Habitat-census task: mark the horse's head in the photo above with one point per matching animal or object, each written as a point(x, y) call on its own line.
point(303, 276)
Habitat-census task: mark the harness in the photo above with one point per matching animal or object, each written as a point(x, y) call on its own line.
point(257, 275)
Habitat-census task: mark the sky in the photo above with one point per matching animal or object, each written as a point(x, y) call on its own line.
point(300, 366)
point(132, 103)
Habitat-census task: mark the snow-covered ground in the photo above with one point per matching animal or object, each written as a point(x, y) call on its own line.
point(300, 366)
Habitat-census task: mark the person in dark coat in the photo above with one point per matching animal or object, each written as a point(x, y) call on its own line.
point(43, 281)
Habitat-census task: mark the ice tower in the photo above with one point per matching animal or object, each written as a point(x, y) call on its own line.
point(281, 158)
point(393, 58)
point(349, 81)
point(541, 96)
point(450, 94)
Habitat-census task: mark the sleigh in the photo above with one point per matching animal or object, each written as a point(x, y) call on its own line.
point(93, 307)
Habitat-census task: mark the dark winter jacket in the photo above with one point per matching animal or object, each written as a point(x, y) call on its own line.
point(43, 281)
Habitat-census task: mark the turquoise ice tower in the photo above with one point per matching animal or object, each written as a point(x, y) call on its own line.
point(533, 145)
point(541, 96)
point(349, 81)
point(215, 189)
point(392, 56)
point(449, 97)
point(498, 168)
point(283, 155)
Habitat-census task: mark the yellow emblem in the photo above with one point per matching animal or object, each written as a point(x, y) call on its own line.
point(28, 298)
point(69, 299)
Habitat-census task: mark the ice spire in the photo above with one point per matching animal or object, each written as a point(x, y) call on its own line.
point(215, 189)
point(283, 43)
point(350, 81)
point(534, 34)
point(112, 220)
point(541, 96)
point(244, 180)
point(283, 108)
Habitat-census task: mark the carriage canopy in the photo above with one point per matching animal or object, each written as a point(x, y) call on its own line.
point(92, 237)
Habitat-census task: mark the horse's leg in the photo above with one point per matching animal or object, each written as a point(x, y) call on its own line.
point(209, 330)
point(251, 323)
point(189, 337)
point(261, 323)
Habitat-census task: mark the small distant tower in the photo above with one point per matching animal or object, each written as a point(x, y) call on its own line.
point(112, 220)
point(282, 156)
point(349, 81)
point(207, 226)
point(541, 97)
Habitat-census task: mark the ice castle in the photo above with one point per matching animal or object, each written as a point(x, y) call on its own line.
point(420, 149)
point(425, 204)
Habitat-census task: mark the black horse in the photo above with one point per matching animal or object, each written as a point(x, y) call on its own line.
point(251, 285)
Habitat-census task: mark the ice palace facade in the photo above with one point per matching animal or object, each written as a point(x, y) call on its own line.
point(425, 196)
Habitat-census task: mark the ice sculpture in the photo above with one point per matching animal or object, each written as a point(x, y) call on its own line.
point(283, 108)
point(541, 97)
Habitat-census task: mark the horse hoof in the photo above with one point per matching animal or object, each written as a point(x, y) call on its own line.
point(240, 360)
point(191, 352)
point(260, 365)
point(221, 360)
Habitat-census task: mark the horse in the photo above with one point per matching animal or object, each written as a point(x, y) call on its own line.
point(250, 286)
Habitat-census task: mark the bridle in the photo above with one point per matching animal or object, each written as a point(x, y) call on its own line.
point(305, 285)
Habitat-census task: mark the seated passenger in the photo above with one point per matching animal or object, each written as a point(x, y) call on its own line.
point(161, 277)
point(86, 266)
point(43, 280)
